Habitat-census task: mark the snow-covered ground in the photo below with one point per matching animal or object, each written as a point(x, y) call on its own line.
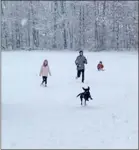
point(51, 117)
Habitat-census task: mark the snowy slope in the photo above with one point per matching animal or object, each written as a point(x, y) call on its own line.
point(39, 117)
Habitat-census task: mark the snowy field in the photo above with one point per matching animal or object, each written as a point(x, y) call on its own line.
point(52, 117)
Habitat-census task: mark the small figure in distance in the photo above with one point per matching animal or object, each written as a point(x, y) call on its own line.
point(44, 71)
point(100, 66)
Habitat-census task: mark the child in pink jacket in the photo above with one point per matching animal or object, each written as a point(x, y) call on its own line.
point(45, 70)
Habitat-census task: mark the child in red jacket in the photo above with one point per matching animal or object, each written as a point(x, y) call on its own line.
point(100, 66)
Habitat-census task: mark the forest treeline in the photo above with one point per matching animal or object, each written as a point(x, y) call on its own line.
point(69, 25)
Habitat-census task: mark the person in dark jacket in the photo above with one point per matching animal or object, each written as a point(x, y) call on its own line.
point(80, 63)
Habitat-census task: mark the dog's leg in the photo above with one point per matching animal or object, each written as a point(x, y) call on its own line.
point(90, 96)
point(81, 100)
point(85, 102)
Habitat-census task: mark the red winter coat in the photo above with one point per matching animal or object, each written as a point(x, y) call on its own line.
point(100, 66)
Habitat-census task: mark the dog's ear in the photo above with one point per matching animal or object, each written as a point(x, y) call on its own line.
point(83, 88)
point(88, 88)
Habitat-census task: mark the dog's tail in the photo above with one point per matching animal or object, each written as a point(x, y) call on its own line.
point(78, 94)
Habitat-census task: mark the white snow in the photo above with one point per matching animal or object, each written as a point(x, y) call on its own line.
point(51, 117)
point(24, 22)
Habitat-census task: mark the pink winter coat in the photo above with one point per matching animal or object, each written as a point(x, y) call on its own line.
point(45, 70)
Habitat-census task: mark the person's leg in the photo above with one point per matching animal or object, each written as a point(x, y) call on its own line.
point(82, 75)
point(43, 80)
point(78, 74)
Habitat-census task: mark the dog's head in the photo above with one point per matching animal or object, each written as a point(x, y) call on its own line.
point(86, 90)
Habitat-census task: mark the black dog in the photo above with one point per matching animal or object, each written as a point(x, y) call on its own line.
point(85, 95)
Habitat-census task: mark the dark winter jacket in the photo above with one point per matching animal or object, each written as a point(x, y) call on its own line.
point(80, 61)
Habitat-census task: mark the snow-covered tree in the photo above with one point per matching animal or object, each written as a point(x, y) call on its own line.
point(87, 25)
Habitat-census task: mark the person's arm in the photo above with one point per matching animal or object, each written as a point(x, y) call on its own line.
point(49, 70)
point(85, 60)
point(103, 67)
point(76, 61)
point(40, 71)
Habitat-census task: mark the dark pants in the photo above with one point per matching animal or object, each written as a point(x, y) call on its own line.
point(79, 72)
point(44, 80)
